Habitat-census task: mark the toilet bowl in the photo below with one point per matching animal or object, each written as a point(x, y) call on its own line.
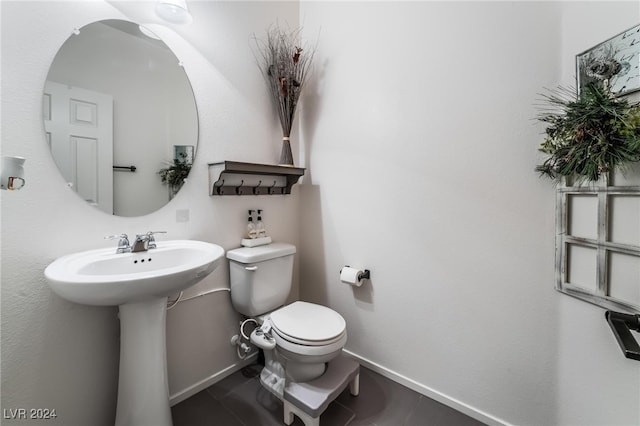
point(307, 336)
point(302, 337)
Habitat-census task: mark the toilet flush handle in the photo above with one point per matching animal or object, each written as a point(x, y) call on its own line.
point(251, 268)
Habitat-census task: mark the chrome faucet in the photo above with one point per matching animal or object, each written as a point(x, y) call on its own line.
point(140, 244)
point(145, 242)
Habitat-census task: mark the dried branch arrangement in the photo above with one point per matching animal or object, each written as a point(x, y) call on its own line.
point(284, 63)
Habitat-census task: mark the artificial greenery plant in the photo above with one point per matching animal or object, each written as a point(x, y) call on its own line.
point(176, 172)
point(589, 135)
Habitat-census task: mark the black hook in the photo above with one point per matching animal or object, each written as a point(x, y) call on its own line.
point(271, 189)
point(239, 187)
point(256, 189)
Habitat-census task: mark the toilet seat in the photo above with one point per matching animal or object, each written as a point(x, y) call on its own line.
point(308, 329)
point(284, 346)
point(308, 323)
point(307, 342)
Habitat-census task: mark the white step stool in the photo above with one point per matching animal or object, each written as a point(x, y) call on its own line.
point(308, 400)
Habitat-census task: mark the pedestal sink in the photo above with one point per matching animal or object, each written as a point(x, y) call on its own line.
point(139, 284)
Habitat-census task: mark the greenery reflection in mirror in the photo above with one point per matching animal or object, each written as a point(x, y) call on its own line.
point(176, 172)
point(120, 118)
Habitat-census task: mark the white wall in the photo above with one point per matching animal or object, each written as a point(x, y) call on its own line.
point(596, 385)
point(61, 355)
point(421, 147)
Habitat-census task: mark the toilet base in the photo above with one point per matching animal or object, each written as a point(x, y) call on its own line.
point(272, 377)
point(298, 372)
point(280, 368)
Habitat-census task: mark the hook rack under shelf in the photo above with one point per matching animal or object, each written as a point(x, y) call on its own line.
point(238, 178)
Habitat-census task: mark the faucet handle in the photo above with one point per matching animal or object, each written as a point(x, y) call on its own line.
point(120, 236)
point(123, 242)
point(151, 239)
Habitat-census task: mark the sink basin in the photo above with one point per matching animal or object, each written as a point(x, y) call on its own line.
point(103, 277)
point(139, 284)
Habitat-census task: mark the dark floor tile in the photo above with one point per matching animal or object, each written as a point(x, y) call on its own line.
point(228, 384)
point(381, 401)
point(240, 400)
point(202, 410)
point(432, 413)
point(337, 415)
point(255, 406)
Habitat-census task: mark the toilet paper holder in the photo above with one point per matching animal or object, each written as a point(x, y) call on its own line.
point(365, 275)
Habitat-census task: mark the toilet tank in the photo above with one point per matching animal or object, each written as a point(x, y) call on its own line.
point(261, 277)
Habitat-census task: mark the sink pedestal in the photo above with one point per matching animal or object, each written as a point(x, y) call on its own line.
point(143, 389)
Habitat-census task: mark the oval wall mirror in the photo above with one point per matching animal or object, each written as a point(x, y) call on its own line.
point(120, 118)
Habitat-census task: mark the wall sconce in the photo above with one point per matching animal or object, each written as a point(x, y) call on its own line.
point(12, 173)
point(174, 11)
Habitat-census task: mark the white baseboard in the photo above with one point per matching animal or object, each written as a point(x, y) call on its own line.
point(214, 378)
point(428, 392)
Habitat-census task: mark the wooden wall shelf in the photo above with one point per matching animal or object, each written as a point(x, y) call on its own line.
point(238, 178)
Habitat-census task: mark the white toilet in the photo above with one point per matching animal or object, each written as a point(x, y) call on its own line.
point(298, 339)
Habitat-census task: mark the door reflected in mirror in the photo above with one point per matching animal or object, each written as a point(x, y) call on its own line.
point(118, 111)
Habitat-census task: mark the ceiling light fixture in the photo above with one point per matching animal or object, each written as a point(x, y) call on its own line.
point(174, 11)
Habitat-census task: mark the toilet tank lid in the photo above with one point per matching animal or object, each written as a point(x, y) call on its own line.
point(261, 253)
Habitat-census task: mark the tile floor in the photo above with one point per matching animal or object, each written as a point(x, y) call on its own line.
point(240, 400)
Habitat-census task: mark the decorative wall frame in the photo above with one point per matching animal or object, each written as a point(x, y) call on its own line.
point(598, 243)
point(616, 59)
point(183, 153)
